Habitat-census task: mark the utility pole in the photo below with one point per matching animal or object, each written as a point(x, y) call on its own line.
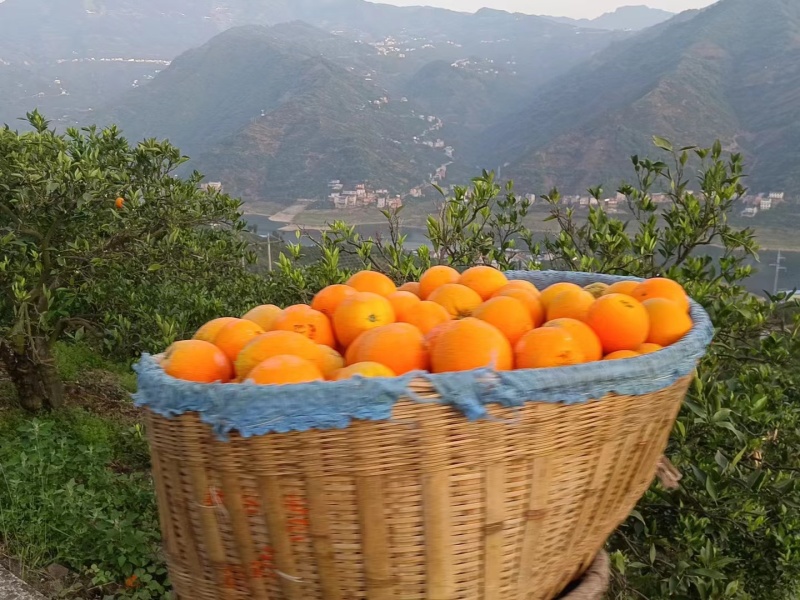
point(269, 251)
point(778, 268)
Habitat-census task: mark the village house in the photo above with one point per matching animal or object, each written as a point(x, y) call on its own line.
point(750, 211)
point(765, 204)
point(394, 203)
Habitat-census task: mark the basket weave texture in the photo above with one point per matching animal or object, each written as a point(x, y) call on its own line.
point(465, 487)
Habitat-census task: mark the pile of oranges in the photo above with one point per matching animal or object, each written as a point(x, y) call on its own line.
point(448, 321)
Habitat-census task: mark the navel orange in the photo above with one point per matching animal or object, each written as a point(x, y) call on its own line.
point(373, 282)
point(620, 321)
point(308, 322)
point(359, 313)
point(264, 316)
point(457, 299)
point(364, 369)
point(427, 315)
point(198, 361)
point(284, 369)
point(276, 343)
point(484, 280)
point(236, 335)
point(584, 335)
point(436, 277)
point(471, 344)
point(669, 321)
point(659, 287)
point(547, 347)
point(399, 346)
point(510, 316)
point(328, 299)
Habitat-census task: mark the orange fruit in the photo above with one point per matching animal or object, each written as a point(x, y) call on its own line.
point(669, 321)
point(264, 315)
point(660, 287)
point(621, 322)
point(329, 298)
point(483, 280)
point(197, 360)
point(648, 348)
point(427, 315)
point(329, 361)
point(403, 303)
point(622, 287)
point(352, 351)
point(359, 313)
point(284, 369)
point(550, 293)
point(621, 355)
point(435, 333)
point(235, 336)
point(547, 347)
point(471, 344)
point(584, 335)
point(436, 277)
point(411, 286)
point(570, 304)
point(209, 331)
point(519, 284)
point(119, 203)
point(308, 322)
point(373, 282)
point(363, 369)
point(458, 300)
point(529, 299)
point(511, 317)
point(276, 343)
point(399, 346)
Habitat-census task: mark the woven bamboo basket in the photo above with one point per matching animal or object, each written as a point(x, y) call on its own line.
point(468, 486)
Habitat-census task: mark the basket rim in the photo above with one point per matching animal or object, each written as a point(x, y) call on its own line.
point(253, 410)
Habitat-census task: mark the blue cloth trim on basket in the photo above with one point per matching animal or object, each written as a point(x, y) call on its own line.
point(253, 410)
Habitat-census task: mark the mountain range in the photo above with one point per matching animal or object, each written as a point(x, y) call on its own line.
point(277, 97)
point(731, 71)
point(626, 18)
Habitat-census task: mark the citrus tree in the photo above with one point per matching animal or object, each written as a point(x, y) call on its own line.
point(99, 237)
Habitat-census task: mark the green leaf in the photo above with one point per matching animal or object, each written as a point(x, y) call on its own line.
point(721, 460)
point(711, 488)
point(662, 143)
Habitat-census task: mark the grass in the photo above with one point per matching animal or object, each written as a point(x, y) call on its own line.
point(76, 489)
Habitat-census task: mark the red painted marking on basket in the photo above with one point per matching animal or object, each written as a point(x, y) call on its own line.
point(298, 523)
point(232, 574)
point(262, 567)
point(252, 505)
point(214, 497)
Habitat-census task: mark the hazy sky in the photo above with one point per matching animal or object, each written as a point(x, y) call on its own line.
point(559, 8)
point(566, 8)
